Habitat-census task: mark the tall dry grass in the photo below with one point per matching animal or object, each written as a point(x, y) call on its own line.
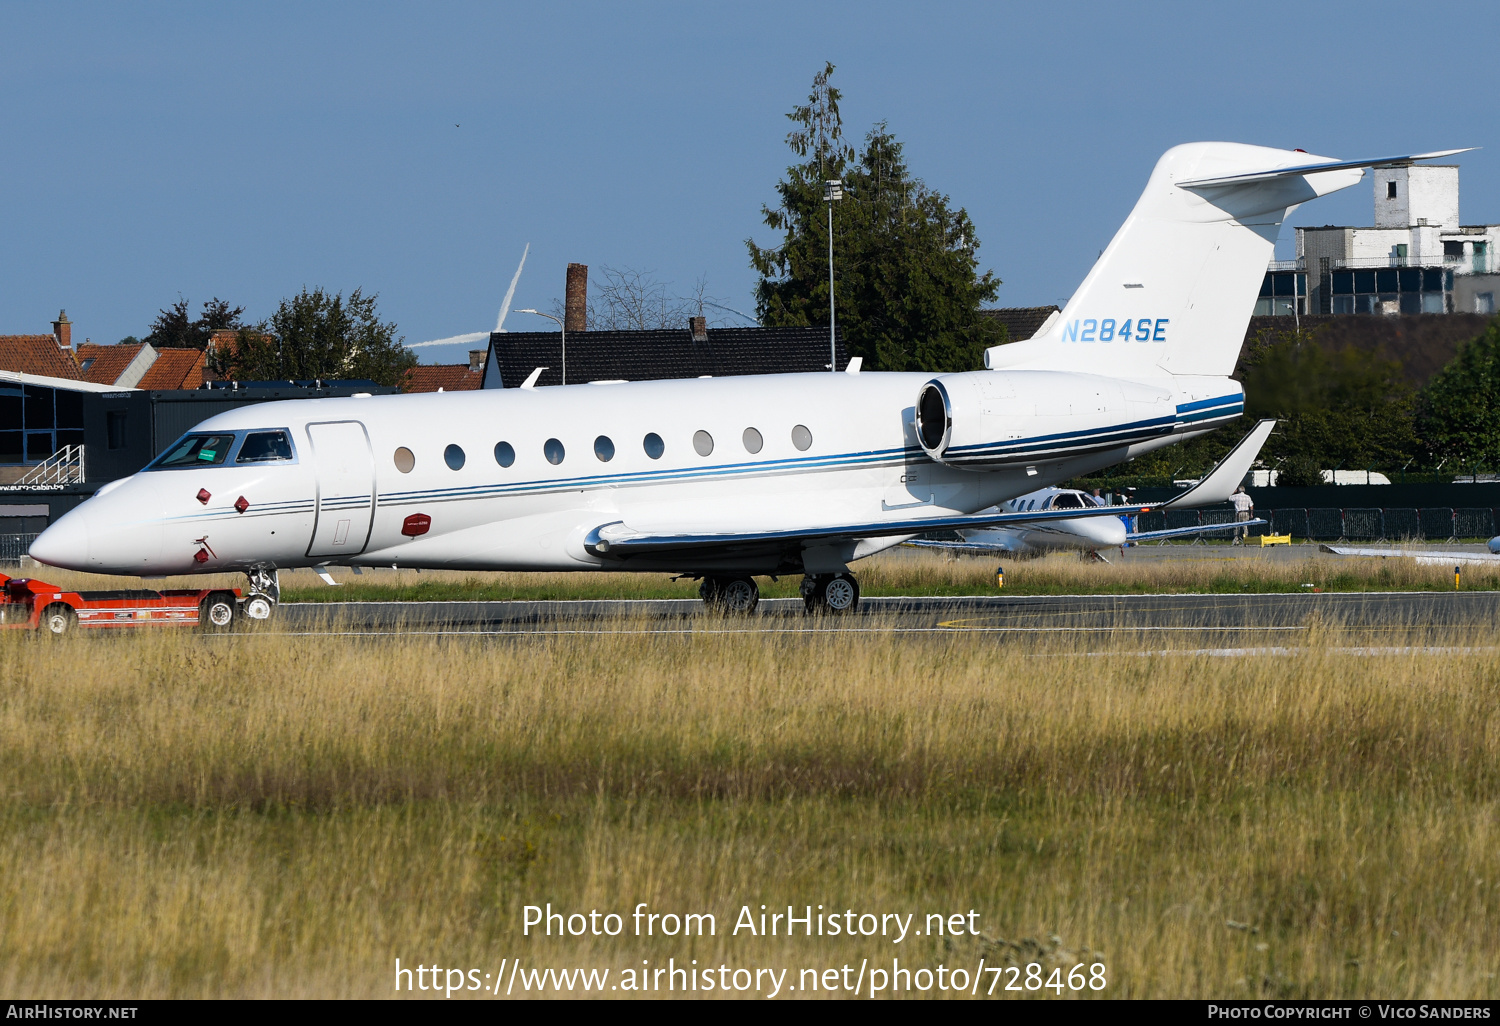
point(270, 815)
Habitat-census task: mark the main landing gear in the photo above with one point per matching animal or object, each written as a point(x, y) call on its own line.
point(830, 593)
point(730, 594)
point(821, 593)
point(265, 592)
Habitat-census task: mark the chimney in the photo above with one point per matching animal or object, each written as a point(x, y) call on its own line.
point(576, 303)
point(476, 360)
point(62, 329)
point(699, 327)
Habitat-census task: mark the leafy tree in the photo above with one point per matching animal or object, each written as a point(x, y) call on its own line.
point(175, 329)
point(1461, 404)
point(907, 285)
point(1339, 408)
point(315, 335)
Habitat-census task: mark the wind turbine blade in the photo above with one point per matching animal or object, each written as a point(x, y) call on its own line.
point(510, 292)
point(473, 336)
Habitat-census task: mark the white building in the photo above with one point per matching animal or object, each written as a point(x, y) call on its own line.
point(1416, 258)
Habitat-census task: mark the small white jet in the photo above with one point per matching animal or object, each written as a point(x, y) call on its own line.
point(728, 478)
point(1091, 534)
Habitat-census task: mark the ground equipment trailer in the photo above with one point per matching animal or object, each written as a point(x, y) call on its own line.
point(38, 605)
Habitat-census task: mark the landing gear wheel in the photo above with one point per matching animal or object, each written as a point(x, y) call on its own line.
point(58, 620)
point(265, 592)
point(216, 612)
point(258, 608)
point(830, 593)
point(730, 594)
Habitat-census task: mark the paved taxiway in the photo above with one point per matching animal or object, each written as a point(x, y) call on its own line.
point(1249, 616)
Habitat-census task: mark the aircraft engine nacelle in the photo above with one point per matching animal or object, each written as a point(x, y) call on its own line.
point(991, 419)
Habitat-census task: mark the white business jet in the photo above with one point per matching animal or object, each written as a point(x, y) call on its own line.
point(1090, 534)
point(728, 478)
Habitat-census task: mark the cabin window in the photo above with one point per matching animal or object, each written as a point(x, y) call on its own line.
point(505, 454)
point(265, 447)
point(801, 438)
point(753, 441)
point(604, 449)
point(554, 451)
point(703, 443)
point(454, 457)
point(405, 460)
point(198, 451)
point(654, 445)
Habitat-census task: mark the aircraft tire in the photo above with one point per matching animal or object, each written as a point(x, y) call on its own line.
point(830, 593)
point(738, 595)
point(841, 594)
point(258, 608)
point(58, 620)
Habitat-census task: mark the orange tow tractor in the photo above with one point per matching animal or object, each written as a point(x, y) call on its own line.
point(37, 605)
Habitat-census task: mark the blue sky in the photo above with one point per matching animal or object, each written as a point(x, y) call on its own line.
point(246, 150)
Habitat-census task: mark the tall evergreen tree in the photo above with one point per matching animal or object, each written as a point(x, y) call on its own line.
point(906, 269)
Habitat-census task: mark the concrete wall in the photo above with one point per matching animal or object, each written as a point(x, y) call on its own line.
point(1426, 194)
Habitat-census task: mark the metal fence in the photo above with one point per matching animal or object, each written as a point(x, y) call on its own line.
point(13, 547)
point(1349, 524)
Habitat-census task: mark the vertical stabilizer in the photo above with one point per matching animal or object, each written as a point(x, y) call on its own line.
point(1175, 289)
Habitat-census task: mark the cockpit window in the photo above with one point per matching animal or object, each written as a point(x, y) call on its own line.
point(264, 447)
point(198, 451)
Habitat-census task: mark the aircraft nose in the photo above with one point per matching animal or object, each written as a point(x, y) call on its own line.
point(64, 544)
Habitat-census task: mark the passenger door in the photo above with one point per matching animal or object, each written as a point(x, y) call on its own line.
point(346, 489)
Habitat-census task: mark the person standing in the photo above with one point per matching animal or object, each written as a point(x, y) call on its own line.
point(1244, 508)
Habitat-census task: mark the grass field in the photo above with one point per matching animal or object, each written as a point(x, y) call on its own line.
point(255, 815)
point(903, 572)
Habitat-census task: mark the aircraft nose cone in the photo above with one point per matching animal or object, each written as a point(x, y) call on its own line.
point(65, 544)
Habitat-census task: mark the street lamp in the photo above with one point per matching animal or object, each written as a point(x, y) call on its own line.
point(833, 191)
point(564, 329)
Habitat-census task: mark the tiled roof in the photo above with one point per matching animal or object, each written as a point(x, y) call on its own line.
point(175, 368)
point(1020, 321)
point(668, 353)
point(109, 362)
point(37, 354)
point(450, 377)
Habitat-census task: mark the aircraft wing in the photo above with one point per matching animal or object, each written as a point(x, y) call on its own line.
point(1219, 483)
point(619, 541)
point(1437, 558)
point(1184, 532)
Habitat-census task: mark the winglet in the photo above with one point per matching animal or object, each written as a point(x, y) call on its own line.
point(531, 378)
point(1219, 484)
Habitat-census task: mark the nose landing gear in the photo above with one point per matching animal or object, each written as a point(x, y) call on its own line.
point(265, 592)
point(830, 593)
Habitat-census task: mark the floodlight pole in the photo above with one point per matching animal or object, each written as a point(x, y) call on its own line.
point(833, 191)
point(564, 329)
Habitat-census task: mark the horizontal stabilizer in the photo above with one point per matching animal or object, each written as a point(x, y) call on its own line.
point(1271, 174)
point(1219, 484)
